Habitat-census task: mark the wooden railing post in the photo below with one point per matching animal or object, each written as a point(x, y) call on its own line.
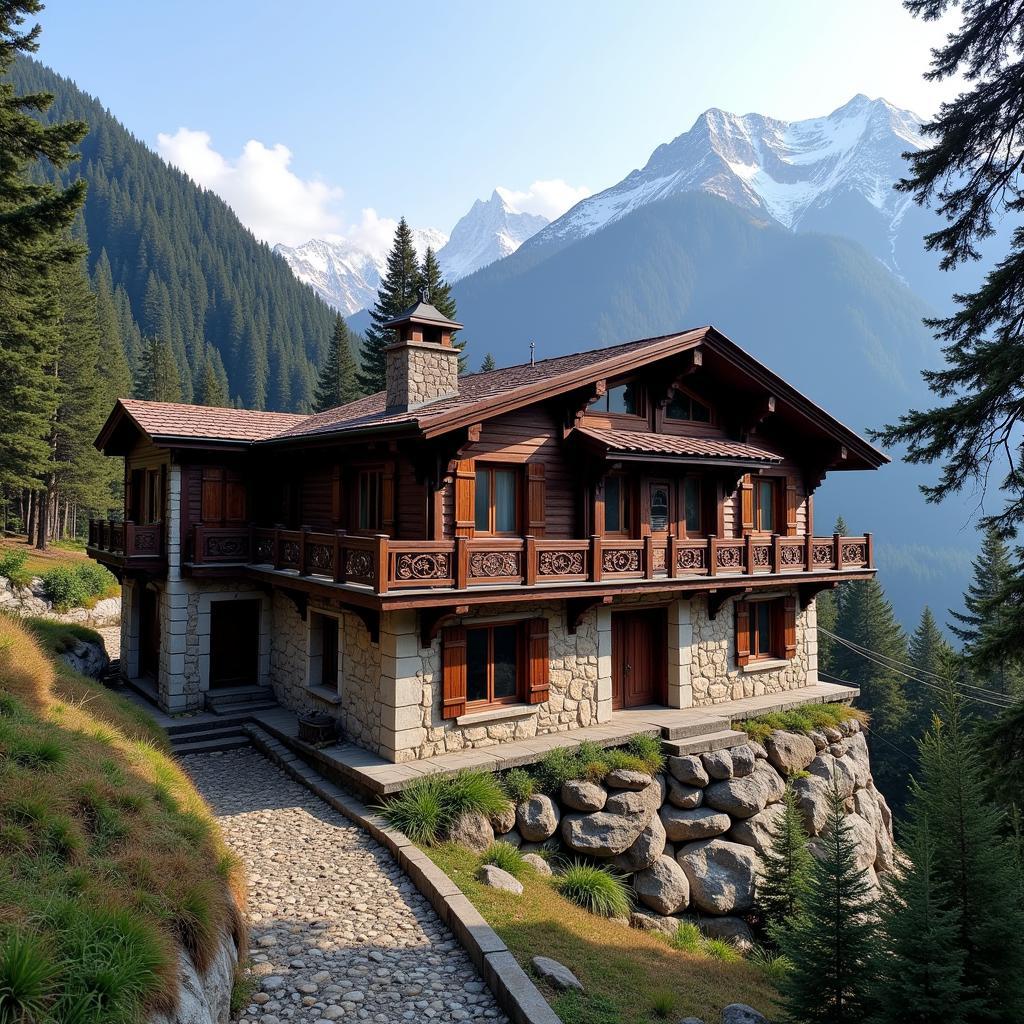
point(748, 555)
point(339, 556)
point(837, 551)
point(672, 567)
point(596, 558)
point(277, 547)
point(461, 562)
point(529, 560)
point(776, 553)
point(303, 533)
point(809, 554)
point(648, 557)
point(129, 538)
point(712, 555)
point(380, 563)
point(869, 551)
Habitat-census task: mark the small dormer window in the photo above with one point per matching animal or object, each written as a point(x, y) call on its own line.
point(685, 407)
point(624, 399)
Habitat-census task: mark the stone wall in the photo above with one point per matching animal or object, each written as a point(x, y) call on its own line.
point(420, 372)
point(32, 600)
point(203, 998)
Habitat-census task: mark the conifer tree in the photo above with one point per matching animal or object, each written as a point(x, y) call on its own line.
point(439, 294)
point(917, 971)
point(786, 867)
point(337, 384)
point(397, 292)
point(159, 380)
point(931, 655)
point(488, 364)
point(213, 384)
point(1002, 744)
point(975, 859)
point(829, 942)
point(34, 244)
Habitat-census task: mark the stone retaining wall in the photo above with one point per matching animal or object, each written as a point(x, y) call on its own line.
point(31, 600)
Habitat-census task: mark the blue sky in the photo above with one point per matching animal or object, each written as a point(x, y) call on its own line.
point(334, 118)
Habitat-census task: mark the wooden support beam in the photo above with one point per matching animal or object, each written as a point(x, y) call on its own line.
point(809, 591)
point(371, 620)
point(583, 401)
point(716, 598)
point(432, 620)
point(299, 598)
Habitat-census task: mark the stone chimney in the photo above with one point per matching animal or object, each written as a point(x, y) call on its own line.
point(422, 365)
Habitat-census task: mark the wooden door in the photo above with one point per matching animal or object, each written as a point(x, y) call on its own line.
point(234, 643)
point(149, 632)
point(638, 658)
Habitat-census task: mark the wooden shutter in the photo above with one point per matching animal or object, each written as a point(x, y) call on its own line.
point(465, 499)
point(789, 627)
point(453, 671)
point(537, 685)
point(742, 632)
point(213, 495)
point(792, 500)
point(746, 503)
point(234, 498)
point(536, 498)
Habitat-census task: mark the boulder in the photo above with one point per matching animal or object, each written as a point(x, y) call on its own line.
point(837, 749)
point(789, 752)
point(825, 765)
point(688, 769)
point(583, 796)
point(857, 754)
point(756, 830)
point(626, 778)
point(646, 921)
point(473, 830)
point(700, 823)
point(539, 864)
point(731, 929)
point(555, 974)
point(610, 832)
point(537, 818)
point(718, 764)
point(663, 886)
point(818, 738)
point(742, 761)
point(683, 796)
point(722, 876)
point(205, 998)
point(739, 1013)
point(744, 797)
point(504, 821)
point(865, 844)
point(832, 734)
point(812, 797)
point(497, 878)
point(88, 658)
point(635, 801)
point(649, 846)
point(513, 838)
point(758, 749)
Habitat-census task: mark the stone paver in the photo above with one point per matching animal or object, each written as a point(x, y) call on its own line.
point(338, 931)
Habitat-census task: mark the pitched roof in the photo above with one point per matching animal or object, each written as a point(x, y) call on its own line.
point(635, 442)
point(423, 312)
point(202, 422)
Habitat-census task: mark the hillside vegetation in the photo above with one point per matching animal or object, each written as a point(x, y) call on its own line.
point(110, 862)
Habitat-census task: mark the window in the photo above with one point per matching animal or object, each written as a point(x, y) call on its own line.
point(370, 486)
point(692, 519)
point(329, 653)
point(685, 407)
point(659, 507)
point(765, 630)
point(616, 504)
point(764, 505)
point(762, 621)
point(626, 399)
point(496, 502)
point(492, 665)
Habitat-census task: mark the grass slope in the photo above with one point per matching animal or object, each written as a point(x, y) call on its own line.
point(110, 862)
point(630, 977)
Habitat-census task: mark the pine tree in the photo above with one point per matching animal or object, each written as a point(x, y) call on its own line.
point(786, 867)
point(1002, 744)
point(976, 861)
point(488, 364)
point(337, 384)
point(917, 971)
point(931, 655)
point(34, 245)
point(397, 292)
point(213, 384)
point(159, 380)
point(438, 293)
point(829, 942)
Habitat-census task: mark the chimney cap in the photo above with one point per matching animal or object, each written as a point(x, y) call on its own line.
point(422, 312)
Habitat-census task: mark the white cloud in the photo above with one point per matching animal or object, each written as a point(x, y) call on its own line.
point(268, 197)
point(550, 198)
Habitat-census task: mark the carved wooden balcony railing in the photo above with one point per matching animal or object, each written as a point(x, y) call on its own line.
point(383, 564)
point(126, 543)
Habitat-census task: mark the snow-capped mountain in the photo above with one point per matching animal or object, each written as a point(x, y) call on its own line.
point(803, 174)
point(490, 231)
point(344, 275)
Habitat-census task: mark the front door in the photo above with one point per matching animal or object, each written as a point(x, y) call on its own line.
point(638, 658)
point(234, 643)
point(149, 632)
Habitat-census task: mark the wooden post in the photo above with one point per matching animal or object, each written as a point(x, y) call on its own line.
point(303, 533)
point(776, 553)
point(869, 551)
point(461, 562)
point(129, 538)
point(339, 556)
point(837, 551)
point(648, 565)
point(596, 558)
point(672, 568)
point(277, 548)
point(380, 563)
point(529, 560)
point(712, 555)
point(748, 555)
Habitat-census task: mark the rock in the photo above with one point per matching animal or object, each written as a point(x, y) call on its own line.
point(832, 734)
point(722, 876)
point(789, 752)
point(504, 821)
point(818, 738)
point(756, 830)
point(688, 770)
point(86, 657)
point(743, 759)
point(738, 1013)
point(663, 887)
point(647, 848)
point(682, 796)
point(744, 797)
point(537, 818)
point(583, 796)
point(538, 863)
point(626, 778)
point(857, 754)
point(497, 878)
point(513, 838)
point(837, 749)
point(204, 998)
point(758, 749)
point(691, 1020)
point(864, 840)
point(555, 974)
point(825, 765)
point(473, 830)
point(718, 764)
point(731, 929)
point(700, 823)
point(612, 831)
point(647, 921)
point(633, 801)
point(812, 797)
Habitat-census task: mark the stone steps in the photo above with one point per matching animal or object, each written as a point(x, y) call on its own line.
point(240, 699)
point(204, 739)
point(723, 739)
point(687, 730)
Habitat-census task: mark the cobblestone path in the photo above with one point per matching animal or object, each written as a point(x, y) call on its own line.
point(338, 931)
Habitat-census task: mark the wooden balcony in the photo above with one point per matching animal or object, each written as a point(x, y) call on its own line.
point(127, 545)
point(382, 565)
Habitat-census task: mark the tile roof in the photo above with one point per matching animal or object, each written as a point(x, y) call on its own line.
point(202, 422)
point(634, 441)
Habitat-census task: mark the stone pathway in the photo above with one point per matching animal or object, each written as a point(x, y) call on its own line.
point(338, 931)
point(111, 640)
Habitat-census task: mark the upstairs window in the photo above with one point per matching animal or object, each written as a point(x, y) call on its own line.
point(685, 407)
point(369, 488)
point(764, 505)
point(625, 399)
point(659, 506)
point(616, 505)
point(692, 518)
point(496, 502)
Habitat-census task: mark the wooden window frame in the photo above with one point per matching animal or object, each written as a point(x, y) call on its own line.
point(603, 405)
point(773, 483)
point(490, 701)
point(486, 471)
point(363, 473)
point(781, 629)
point(709, 422)
point(625, 505)
point(685, 528)
point(670, 512)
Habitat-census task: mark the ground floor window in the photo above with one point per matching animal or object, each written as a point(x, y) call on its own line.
point(492, 664)
point(765, 629)
point(324, 651)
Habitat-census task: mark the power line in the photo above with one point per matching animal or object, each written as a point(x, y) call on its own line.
point(877, 735)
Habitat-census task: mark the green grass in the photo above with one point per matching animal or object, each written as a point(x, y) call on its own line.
point(803, 719)
point(519, 784)
point(504, 856)
point(689, 938)
point(663, 1004)
point(595, 888)
point(592, 761)
point(35, 562)
point(774, 966)
point(619, 967)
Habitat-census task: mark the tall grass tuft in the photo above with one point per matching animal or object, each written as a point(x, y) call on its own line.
point(504, 856)
point(474, 791)
point(419, 811)
point(597, 889)
point(27, 975)
point(688, 938)
point(519, 784)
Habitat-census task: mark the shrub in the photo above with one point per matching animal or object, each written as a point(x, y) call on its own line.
point(597, 889)
point(96, 579)
point(721, 949)
point(687, 938)
point(555, 767)
point(474, 791)
point(12, 565)
point(419, 811)
point(663, 1004)
point(519, 784)
point(64, 588)
point(504, 856)
point(648, 749)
